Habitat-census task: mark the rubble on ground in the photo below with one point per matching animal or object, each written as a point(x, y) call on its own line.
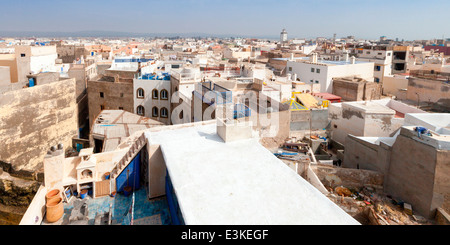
point(370, 207)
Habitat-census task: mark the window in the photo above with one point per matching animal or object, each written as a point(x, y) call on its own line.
point(102, 107)
point(378, 68)
point(101, 95)
point(140, 110)
point(312, 69)
point(311, 81)
point(120, 108)
point(155, 94)
point(380, 53)
point(318, 70)
point(155, 111)
point(290, 68)
point(377, 80)
point(164, 112)
point(164, 94)
point(317, 81)
point(121, 95)
point(368, 52)
point(140, 93)
point(22, 55)
point(388, 54)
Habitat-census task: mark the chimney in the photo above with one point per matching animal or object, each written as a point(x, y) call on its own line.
point(352, 60)
point(54, 167)
point(292, 56)
point(294, 77)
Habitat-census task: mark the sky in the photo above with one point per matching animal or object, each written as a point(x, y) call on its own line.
point(369, 19)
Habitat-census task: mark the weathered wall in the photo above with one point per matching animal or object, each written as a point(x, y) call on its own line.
point(80, 78)
point(115, 94)
point(356, 91)
point(344, 121)
point(33, 120)
point(364, 155)
point(411, 174)
point(69, 53)
point(300, 120)
point(348, 91)
point(44, 78)
point(441, 190)
point(429, 90)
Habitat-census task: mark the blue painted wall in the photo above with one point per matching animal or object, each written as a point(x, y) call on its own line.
point(133, 170)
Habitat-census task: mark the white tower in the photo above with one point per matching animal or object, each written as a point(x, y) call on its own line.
point(283, 36)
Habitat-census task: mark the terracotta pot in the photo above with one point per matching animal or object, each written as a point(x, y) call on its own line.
point(55, 209)
point(52, 194)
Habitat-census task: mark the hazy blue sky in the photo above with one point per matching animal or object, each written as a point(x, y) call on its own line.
point(408, 19)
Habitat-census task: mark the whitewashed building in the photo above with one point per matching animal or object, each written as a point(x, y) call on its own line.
point(152, 97)
point(311, 71)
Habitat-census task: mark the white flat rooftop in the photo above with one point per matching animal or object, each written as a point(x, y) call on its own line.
point(238, 183)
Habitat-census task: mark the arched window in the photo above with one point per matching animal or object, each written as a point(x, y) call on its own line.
point(164, 94)
point(155, 94)
point(164, 112)
point(140, 93)
point(155, 112)
point(140, 110)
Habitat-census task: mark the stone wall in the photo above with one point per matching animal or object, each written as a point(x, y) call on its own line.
point(411, 175)
point(300, 120)
point(116, 96)
point(34, 119)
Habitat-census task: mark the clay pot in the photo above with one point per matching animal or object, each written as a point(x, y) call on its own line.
point(52, 194)
point(55, 209)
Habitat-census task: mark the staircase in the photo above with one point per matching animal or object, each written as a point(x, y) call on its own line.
point(128, 157)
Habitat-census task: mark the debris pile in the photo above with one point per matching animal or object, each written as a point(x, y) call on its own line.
point(370, 207)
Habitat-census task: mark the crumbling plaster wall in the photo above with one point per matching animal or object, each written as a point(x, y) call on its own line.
point(33, 120)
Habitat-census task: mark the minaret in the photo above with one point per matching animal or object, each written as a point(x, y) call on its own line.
point(283, 37)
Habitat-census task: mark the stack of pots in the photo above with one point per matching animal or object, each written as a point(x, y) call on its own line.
point(54, 205)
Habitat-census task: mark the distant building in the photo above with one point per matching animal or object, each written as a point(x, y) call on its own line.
point(283, 37)
point(28, 60)
point(314, 71)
